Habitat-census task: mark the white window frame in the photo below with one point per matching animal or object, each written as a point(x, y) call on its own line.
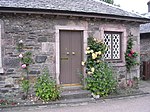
point(117, 28)
point(111, 46)
point(1, 34)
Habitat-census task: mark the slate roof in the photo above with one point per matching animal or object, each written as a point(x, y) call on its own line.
point(145, 28)
point(85, 6)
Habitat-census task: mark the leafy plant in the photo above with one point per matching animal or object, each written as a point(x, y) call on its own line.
point(100, 80)
point(130, 55)
point(46, 88)
point(25, 86)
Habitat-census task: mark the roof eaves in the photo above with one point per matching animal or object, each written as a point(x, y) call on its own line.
point(73, 13)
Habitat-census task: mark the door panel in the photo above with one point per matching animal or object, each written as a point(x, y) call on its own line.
point(76, 56)
point(70, 57)
point(65, 60)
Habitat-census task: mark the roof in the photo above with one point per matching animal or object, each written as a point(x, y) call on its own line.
point(84, 6)
point(145, 28)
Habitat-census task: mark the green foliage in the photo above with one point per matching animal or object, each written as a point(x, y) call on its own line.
point(25, 85)
point(100, 80)
point(130, 55)
point(19, 46)
point(46, 88)
point(109, 1)
point(95, 51)
point(27, 58)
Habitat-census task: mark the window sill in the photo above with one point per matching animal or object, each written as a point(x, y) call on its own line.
point(118, 63)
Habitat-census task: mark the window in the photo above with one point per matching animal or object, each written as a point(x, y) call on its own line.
point(113, 42)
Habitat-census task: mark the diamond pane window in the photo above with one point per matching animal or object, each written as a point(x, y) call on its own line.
point(112, 40)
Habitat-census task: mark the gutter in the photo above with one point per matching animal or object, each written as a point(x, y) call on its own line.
point(73, 14)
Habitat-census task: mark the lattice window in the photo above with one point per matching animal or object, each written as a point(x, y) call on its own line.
point(112, 40)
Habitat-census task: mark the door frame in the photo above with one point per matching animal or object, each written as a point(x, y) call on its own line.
point(57, 43)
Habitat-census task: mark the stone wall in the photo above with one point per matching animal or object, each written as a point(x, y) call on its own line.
point(145, 49)
point(38, 35)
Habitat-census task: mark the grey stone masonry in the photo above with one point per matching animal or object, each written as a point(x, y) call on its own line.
point(38, 34)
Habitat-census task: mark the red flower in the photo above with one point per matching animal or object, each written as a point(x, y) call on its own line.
point(129, 55)
point(132, 52)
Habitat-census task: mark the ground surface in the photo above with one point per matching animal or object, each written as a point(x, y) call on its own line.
point(131, 104)
point(128, 104)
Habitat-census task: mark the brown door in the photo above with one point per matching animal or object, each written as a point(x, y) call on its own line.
point(70, 57)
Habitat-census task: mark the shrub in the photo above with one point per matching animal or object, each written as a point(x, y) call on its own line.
point(101, 82)
point(46, 88)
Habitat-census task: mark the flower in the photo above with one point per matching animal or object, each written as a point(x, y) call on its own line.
point(132, 52)
point(21, 41)
point(87, 48)
point(129, 55)
point(92, 69)
point(83, 63)
point(89, 73)
point(20, 56)
point(99, 52)
point(23, 65)
point(98, 61)
point(91, 51)
point(87, 52)
point(95, 39)
point(94, 55)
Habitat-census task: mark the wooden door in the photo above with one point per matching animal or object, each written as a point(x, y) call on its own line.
point(70, 57)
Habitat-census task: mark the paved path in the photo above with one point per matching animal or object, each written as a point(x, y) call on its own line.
point(138, 104)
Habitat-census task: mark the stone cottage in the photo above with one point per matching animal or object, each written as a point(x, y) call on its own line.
point(56, 33)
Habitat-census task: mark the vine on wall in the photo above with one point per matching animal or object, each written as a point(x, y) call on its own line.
point(130, 55)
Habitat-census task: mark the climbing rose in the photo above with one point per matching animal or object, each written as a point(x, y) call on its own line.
point(23, 65)
point(129, 55)
point(21, 41)
point(20, 56)
point(131, 51)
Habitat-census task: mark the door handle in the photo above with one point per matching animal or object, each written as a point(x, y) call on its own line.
point(73, 53)
point(67, 53)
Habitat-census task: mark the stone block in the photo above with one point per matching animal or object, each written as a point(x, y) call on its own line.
point(4, 90)
point(11, 62)
point(10, 70)
point(42, 39)
point(40, 59)
point(34, 72)
point(1, 78)
point(9, 81)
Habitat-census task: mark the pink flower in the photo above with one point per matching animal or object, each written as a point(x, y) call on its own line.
point(23, 65)
point(131, 51)
point(20, 56)
point(129, 55)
